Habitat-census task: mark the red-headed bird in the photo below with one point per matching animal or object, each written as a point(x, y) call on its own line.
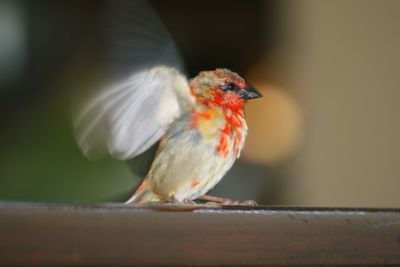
point(199, 123)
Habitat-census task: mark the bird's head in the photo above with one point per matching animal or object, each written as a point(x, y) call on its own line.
point(222, 87)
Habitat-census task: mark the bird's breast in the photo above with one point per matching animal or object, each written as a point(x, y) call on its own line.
point(225, 128)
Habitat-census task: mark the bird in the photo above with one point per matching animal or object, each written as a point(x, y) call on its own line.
point(195, 128)
point(202, 143)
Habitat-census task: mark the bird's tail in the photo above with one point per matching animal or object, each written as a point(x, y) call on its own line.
point(143, 195)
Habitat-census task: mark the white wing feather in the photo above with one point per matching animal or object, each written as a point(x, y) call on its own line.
point(128, 118)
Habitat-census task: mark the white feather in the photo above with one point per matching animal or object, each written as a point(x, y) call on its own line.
point(126, 119)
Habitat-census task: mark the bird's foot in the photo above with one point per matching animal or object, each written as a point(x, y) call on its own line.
point(188, 201)
point(170, 201)
point(173, 200)
point(225, 201)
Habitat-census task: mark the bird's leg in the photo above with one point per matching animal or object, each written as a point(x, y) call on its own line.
point(226, 201)
point(213, 199)
point(171, 200)
point(174, 201)
point(188, 201)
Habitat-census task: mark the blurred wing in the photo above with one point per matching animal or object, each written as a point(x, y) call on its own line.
point(129, 116)
point(137, 39)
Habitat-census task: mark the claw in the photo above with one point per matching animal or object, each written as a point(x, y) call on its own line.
point(173, 200)
point(188, 201)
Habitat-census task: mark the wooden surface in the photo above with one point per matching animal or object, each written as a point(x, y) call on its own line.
point(116, 235)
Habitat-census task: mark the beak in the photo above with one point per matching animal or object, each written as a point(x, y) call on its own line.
point(249, 92)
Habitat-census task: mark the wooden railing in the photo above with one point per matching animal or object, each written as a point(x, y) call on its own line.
point(50, 234)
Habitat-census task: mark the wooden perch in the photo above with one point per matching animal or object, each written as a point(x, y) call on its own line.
point(49, 234)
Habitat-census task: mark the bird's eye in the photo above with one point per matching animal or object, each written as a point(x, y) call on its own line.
point(228, 86)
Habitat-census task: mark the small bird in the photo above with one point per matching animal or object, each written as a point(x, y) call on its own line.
point(202, 143)
point(197, 126)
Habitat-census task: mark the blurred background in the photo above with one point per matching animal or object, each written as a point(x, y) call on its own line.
point(326, 132)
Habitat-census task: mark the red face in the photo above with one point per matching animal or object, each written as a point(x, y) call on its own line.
point(233, 93)
point(227, 95)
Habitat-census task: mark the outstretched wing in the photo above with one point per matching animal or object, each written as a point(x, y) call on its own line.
point(127, 117)
point(137, 39)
